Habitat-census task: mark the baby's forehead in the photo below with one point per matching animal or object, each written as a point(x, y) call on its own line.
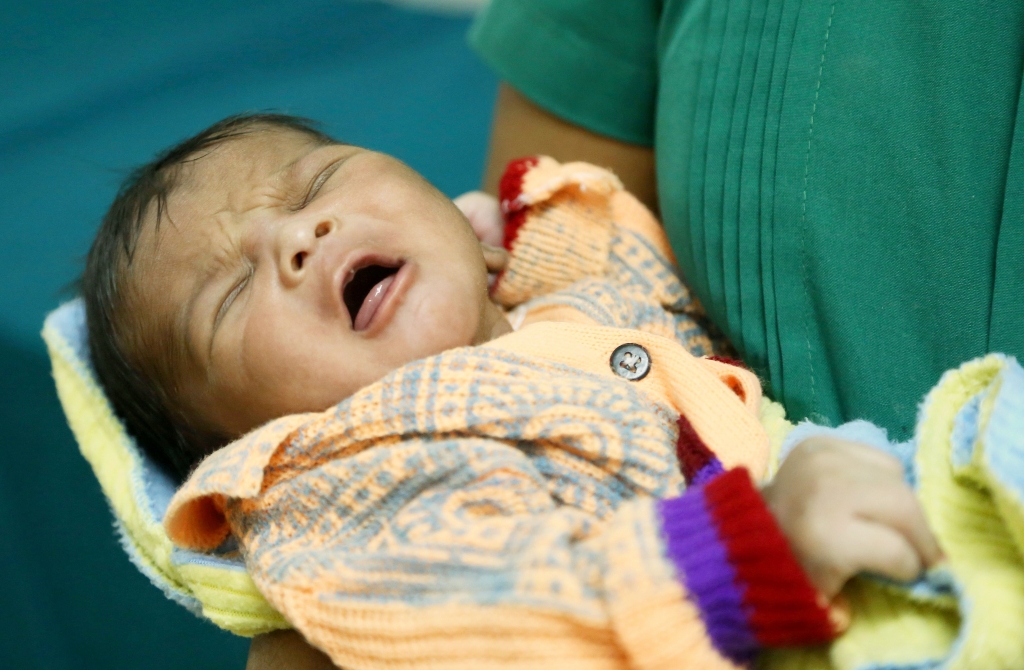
point(265, 159)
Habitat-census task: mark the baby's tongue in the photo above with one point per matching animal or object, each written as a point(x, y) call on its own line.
point(371, 302)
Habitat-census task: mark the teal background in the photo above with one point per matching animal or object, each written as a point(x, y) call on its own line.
point(88, 90)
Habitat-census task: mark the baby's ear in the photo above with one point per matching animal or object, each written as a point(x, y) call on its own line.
point(496, 258)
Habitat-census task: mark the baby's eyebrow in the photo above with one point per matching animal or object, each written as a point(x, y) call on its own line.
point(294, 173)
point(290, 172)
point(186, 316)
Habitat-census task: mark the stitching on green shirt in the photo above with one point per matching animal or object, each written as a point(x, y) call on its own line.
point(803, 213)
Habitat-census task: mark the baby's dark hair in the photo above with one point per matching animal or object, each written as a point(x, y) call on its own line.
point(138, 398)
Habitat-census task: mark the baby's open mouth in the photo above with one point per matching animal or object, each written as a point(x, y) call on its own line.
point(365, 290)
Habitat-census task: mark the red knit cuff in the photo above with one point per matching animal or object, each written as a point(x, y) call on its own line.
point(509, 189)
point(784, 607)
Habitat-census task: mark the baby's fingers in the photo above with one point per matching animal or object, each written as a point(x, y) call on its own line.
point(484, 216)
point(898, 509)
point(496, 258)
point(881, 550)
point(866, 547)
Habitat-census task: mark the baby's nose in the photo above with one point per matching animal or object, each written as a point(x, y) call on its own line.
point(297, 242)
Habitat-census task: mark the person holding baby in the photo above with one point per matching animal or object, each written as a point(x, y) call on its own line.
point(755, 163)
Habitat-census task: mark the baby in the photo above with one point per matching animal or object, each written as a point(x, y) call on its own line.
point(438, 474)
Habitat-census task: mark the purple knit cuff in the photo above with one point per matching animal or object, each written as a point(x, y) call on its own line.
point(737, 565)
point(702, 561)
point(709, 471)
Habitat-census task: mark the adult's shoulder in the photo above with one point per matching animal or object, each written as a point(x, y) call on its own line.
point(593, 64)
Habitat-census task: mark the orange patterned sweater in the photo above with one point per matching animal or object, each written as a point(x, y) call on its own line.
point(552, 499)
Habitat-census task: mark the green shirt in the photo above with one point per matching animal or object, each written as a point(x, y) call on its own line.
point(843, 183)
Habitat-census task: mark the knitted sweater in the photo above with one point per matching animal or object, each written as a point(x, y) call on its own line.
point(533, 502)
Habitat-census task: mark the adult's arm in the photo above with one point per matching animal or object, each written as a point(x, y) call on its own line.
point(521, 128)
point(285, 650)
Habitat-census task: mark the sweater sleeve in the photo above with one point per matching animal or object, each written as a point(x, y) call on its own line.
point(452, 553)
point(584, 249)
point(738, 568)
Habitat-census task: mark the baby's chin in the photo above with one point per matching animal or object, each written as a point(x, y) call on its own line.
point(498, 327)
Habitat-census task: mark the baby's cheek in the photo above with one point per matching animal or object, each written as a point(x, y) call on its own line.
point(449, 318)
point(278, 354)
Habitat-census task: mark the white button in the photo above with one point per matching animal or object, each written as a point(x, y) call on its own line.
point(631, 361)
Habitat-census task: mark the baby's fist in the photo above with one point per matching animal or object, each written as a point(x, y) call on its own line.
point(845, 509)
point(484, 215)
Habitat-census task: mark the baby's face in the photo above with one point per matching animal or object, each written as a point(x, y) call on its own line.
point(287, 275)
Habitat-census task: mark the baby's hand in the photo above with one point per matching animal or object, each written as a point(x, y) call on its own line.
point(845, 509)
point(484, 216)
